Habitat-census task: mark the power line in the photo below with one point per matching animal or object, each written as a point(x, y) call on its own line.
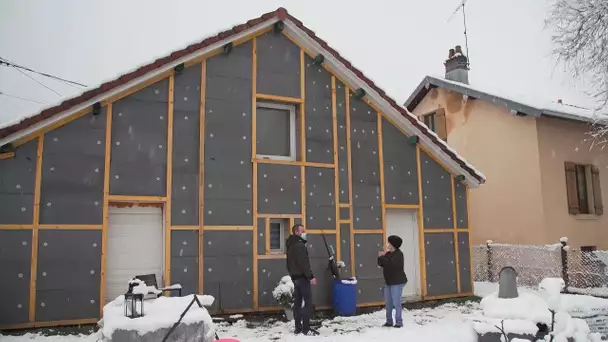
point(8, 63)
point(35, 80)
point(20, 98)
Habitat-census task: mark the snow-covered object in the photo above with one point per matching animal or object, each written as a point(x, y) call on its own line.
point(527, 306)
point(563, 239)
point(550, 289)
point(283, 293)
point(173, 287)
point(340, 264)
point(351, 281)
point(567, 327)
point(158, 314)
point(511, 326)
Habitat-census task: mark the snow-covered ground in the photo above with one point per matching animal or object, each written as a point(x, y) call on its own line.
point(449, 323)
point(445, 323)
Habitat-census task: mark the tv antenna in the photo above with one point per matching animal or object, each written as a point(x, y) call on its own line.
point(464, 20)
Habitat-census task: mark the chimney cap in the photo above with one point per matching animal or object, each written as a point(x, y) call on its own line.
point(451, 53)
point(559, 101)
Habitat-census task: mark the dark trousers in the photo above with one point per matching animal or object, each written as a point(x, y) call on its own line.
point(301, 315)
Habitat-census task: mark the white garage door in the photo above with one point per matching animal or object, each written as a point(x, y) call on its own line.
point(135, 247)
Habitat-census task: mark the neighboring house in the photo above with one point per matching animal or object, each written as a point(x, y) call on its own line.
point(116, 182)
point(544, 180)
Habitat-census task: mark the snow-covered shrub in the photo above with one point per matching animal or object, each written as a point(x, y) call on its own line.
point(283, 293)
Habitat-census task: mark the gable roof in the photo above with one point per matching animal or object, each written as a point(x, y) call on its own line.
point(296, 30)
point(519, 106)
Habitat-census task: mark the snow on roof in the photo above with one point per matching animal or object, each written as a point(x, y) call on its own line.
point(513, 100)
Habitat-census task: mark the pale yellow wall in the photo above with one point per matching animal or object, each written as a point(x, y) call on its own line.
point(509, 207)
point(561, 141)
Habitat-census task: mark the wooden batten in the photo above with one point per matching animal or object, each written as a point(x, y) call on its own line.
point(254, 59)
point(222, 228)
point(266, 235)
point(290, 162)
point(72, 226)
point(280, 216)
point(36, 223)
point(350, 181)
point(468, 230)
point(368, 231)
point(106, 202)
point(276, 98)
point(459, 295)
point(401, 206)
point(201, 173)
point(272, 256)
point(185, 228)
point(167, 208)
point(16, 226)
point(31, 325)
point(381, 164)
point(334, 117)
point(7, 155)
point(321, 231)
point(137, 199)
point(455, 222)
point(421, 229)
point(344, 205)
point(303, 136)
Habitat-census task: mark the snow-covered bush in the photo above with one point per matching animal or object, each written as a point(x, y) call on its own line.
point(283, 293)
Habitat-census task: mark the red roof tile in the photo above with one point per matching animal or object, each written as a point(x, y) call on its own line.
point(282, 14)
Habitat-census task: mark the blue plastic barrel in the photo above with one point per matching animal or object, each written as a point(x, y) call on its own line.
point(344, 298)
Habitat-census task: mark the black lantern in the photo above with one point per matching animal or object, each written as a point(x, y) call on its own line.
point(134, 304)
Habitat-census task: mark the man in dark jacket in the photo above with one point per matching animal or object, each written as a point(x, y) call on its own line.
point(298, 266)
point(391, 261)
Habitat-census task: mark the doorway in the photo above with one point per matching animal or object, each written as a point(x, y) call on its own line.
point(404, 223)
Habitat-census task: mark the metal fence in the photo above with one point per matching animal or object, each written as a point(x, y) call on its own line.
point(583, 271)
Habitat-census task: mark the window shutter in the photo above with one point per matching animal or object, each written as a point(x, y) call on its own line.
point(571, 188)
point(597, 190)
point(440, 124)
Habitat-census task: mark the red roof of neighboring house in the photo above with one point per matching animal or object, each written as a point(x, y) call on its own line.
point(280, 13)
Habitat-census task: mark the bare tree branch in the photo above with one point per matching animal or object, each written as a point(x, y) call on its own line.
point(580, 40)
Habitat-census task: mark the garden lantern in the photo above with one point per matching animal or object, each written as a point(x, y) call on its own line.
point(134, 305)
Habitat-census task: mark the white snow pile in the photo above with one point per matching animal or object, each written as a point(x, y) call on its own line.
point(340, 264)
point(158, 313)
point(283, 293)
point(550, 289)
point(528, 306)
point(351, 281)
point(140, 287)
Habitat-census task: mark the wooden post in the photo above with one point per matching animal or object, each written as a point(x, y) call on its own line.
point(455, 223)
point(489, 260)
point(36, 218)
point(167, 206)
point(254, 65)
point(201, 175)
point(106, 204)
point(564, 259)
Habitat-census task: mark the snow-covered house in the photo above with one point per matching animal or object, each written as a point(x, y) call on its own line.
point(543, 176)
point(117, 182)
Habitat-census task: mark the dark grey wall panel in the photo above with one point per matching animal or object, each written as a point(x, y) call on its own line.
point(279, 190)
point(262, 236)
point(72, 172)
point(228, 170)
point(436, 194)
point(68, 287)
point(186, 129)
point(319, 121)
point(344, 213)
point(464, 260)
point(400, 168)
point(227, 243)
point(233, 277)
point(139, 142)
point(320, 198)
point(56, 305)
point(342, 142)
point(17, 183)
point(270, 273)
point(460, 193)
point(184, 260)
point(15, 262)
point(367, 247)
point(370, 290)
point(345, 249)
point(365, 166)
point(440, 264)
point(317, 252)
point(278, 65)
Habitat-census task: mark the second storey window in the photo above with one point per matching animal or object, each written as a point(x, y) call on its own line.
point(276, 131)
point(429, 121)
point(583, 189)
point(436, 122)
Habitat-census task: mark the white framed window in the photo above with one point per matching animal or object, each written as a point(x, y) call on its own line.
point(277, 235)
point(276, 131)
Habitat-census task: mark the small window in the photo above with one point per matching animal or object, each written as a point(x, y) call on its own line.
point(583, 189)
point(429, 121)
point(277, 235)
point(276, 131)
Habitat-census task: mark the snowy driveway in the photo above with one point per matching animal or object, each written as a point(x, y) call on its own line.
point(441, 324)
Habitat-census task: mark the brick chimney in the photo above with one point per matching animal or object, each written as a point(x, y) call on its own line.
point(456, 66)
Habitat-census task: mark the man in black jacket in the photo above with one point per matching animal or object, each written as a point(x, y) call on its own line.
point(298, 266)
point(391, 261)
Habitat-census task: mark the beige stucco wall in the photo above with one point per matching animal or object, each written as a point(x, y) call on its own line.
point(509, 207)
point(561, 141)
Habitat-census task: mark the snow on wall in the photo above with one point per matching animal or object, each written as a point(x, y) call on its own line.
point(228, 170)
point(17, 183)
point(15, 261)
point(73, 162)
point(139, 142)
point(185, 159)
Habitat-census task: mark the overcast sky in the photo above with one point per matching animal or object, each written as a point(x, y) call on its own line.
point(395, 43)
